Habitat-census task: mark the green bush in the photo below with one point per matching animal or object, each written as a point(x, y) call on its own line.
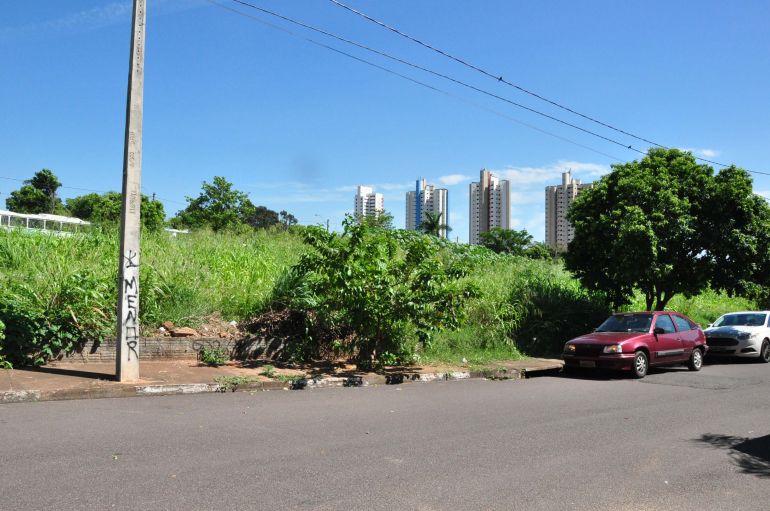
point(4, 364)
point(213, 356)
point(554, 312)
point(374, 294)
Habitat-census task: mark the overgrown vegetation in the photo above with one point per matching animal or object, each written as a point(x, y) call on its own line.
point(56, 293)
point(380, 296)
point(373, 294)
point(4, 364)
point(213, 356)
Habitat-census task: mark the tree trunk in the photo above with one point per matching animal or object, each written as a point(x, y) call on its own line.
point(648, 300)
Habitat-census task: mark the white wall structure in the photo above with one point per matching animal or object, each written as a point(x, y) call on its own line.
point(558, 231)
point(43, 222)
point(490, 205)
point(426, 199)
point(366, 202)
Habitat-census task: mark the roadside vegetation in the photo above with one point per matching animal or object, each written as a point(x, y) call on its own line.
point(660, 233)
point(480, 306)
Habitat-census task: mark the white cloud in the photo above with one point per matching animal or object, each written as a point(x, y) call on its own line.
point(703, 152)
point(763, 193)
point(94, 18)
point(453, 179)
point(530, 197)
point(320, 196)
point(551, 174)
point(395, 187)
point(382, 187)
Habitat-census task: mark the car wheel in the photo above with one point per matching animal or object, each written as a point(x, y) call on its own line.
point(764, 352)
point(696, 360)
point(641, 364)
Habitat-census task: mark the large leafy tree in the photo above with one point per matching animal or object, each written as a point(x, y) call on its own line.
point(37, 195)
point(287, 219)
point(506, 241)
point(220, 206)
point(379, 220)
point(668, 225)
point(105, 209)
point(434, 224)
point(260, 217)
point(511, 241)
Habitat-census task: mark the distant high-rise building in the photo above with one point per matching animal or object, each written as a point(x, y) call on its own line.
point(490, 205)
point(367, 202)
point(426, 199)
point(558, 231)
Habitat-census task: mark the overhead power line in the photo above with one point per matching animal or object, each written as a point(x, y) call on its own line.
point(501, 79)
point(62, 186)
point(440, 75)
point(395, 73)
point(89, 189)
point(416, 66)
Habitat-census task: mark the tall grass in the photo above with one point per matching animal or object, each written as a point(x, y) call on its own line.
point(183, 279)
point(61, 291)
point(703, 308)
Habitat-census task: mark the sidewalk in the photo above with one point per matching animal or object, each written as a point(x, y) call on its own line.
point(96, 380)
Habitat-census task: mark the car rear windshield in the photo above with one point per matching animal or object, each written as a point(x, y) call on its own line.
point(626, 323)
point(752, 319)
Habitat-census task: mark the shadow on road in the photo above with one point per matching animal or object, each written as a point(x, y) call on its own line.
point(608, 374)
point(751, 455)
point(711, 360)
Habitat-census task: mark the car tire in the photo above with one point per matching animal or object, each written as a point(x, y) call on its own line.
point(696, 360)
point(641, 365)
point(764, 352)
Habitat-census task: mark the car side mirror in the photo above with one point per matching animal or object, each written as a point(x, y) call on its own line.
point(658, 330)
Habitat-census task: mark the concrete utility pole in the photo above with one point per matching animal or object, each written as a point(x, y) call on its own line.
point(127, 360)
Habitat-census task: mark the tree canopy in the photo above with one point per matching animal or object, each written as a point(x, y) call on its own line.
point(434, 224)
point(37, 195)
point(668, 225)
point(511, 241)
point(105, 209)
point(220, 206)
point(379, 220)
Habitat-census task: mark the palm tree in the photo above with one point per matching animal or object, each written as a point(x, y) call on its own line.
point(433, 225)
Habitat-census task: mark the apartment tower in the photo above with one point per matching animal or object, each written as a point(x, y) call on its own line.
point(423, 200)
point(558, 231)
point(490, 205)
point(367, 202)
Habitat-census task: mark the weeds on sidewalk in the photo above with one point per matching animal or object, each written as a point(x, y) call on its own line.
point(231, 383)
point(213, 356)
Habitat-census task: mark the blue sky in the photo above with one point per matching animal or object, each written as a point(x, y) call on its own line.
point(298, 126)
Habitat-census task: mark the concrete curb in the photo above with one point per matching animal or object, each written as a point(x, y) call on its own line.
point(117, 390)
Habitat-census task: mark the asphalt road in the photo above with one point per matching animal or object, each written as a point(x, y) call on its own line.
point(674, 441)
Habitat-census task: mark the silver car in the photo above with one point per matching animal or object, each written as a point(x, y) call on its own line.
point(741, 334)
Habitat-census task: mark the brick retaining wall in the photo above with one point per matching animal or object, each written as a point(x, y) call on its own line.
point(179, 348)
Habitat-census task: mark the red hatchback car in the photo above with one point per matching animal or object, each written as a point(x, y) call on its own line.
point(637, 340)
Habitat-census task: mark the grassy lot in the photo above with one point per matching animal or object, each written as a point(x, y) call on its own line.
point(64, 289)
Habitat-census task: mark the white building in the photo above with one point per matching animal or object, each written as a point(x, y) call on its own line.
point(426, 199)
point(42, 222)
point(558, 231)
point(490, 205)
point(367, 202)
